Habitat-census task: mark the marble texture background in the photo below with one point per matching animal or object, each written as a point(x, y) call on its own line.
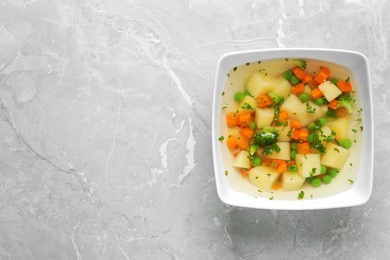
point(105, 118)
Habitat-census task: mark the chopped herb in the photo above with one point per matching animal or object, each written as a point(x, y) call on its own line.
point(247, 64)
point(301, 195)
point(223, 93)
point(286, 59)
point(259, 62)
point(359, 120)
point(269, 175)
point(360, 110)
point(311, 196)
point(354, 141)
point(221, 138)
point(256, 177)
point(246, 106)
point(347, 80)
point(228, 75)
point(224, 106)
point(337, 150)
point(350, 181)
point(235, 68)
point(354, 130)
point(350, 164)
point(226, 173)
point(361, 128)
point(259, 190)
point(309, 108)
point(271, 198)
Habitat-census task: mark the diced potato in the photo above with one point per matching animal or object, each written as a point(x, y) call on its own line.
point(292, 181)
point(261, 83)
point(325, 131)
point(324, 108)
point(340, 127)
point(330, 90)
point(263, 177)
point(335, 156)
point(291, 104)
point(284, 153)
point(308, 164)
point(248, 103)
point(283, 89)
point(242, 160)
point(264, 117)
point(283, 133)
point(304, 117)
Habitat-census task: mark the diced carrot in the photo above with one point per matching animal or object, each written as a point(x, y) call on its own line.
point(231, 142)
point(344, 85)
point(282, 166)
point(294, 123)
point(333, 104)
point(307, 79)
point(303, 133)
point(276, 186)
point(232, 119)
point(322, 75)
point(263, 100)
point(299, 73)
point(244, 118)
point(294, 133)
point(246, 132)
point(266, 162)
point(316, 93)
point(341, 112)
point(244, 172)
point(303, 148)
point(283, 116)
point(242, 143)
point(298, 88)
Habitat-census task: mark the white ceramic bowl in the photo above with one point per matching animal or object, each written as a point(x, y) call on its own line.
point(360, 191)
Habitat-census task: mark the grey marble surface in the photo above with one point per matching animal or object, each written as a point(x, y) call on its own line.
point(105, 120)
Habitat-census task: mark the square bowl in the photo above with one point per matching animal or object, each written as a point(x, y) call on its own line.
point(235, 190)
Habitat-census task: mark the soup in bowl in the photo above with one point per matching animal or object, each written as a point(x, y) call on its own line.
point(291, 129)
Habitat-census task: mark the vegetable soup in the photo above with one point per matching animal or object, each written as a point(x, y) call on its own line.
point(291, 129)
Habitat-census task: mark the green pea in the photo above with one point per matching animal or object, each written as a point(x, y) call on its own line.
point(334, 81)
point(346, 143)
point(288, 74)
point(311, 126)
point(323, 169)
point(256, 161)
point(326, 179)
point(310, 138)
point(333, 172)
point(294, 80)
point(292, 168)
point(316, 182)
point(293, 153)
point(246, 93)
point(252, 125)
point(239, 96)
point(322, 121)
point(319, 101)
point(304, 97)
point(293, 145)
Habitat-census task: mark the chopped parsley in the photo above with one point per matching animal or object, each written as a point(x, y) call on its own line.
point(354, 130)
point(271, 198)
point(301, 195)
point(235, 68)
point(224, 106)
point(226, 173)
point(310, 109)
point(350, 181)
point(221, 138)
point(246, 106)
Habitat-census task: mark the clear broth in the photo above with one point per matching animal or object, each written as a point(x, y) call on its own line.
point(237, 80)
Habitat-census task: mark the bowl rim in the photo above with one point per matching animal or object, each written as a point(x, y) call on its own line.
point(323, 54)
